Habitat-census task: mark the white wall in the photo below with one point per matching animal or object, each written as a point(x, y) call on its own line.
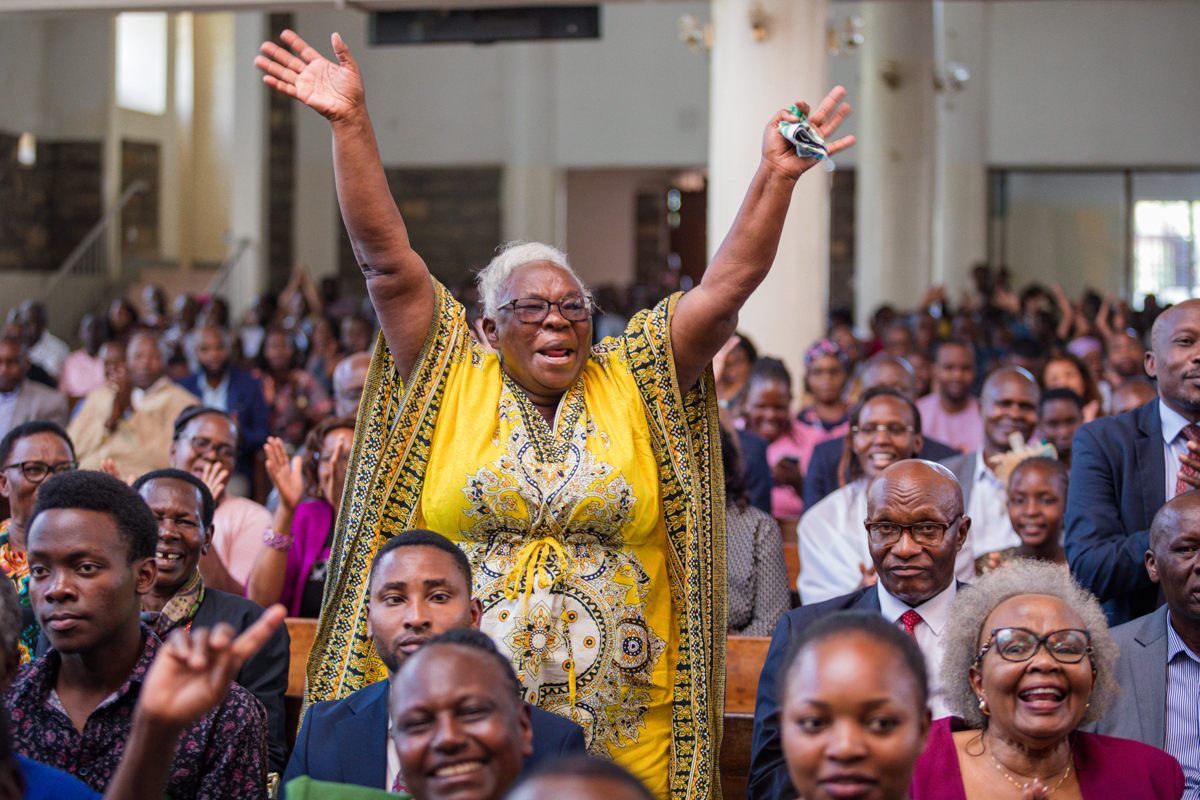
point(1104, 82)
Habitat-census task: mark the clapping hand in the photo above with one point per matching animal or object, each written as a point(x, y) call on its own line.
point(214, 477)
point(1190, 458)
point(332, 90)
point(781, 154)
point(288, 476)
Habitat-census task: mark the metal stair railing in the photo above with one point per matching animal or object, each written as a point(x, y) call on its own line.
point(89, 258)
point(237, 249)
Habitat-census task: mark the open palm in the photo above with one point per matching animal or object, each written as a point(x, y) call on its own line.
point(332, 90)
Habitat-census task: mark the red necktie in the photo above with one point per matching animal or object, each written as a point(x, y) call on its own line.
point(910, 619)
point(1192, 434)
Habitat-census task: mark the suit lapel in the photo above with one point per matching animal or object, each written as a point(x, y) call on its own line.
point(869, 600)
point(1148, 669)
point(1151, 464)
point(361, 739)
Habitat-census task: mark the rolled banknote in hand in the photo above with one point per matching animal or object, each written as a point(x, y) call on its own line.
point(809, 143)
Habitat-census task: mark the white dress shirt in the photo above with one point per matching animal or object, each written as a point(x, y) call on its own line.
point(991, 528)
point(49, 353)
point(833, 542)
point(218, 397)
point(1174, 444)
point(930, 634)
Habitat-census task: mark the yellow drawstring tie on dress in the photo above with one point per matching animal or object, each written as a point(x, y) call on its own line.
point(531, 563)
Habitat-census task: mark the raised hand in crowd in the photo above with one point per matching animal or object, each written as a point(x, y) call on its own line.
point(190, 677)
point(122, 385)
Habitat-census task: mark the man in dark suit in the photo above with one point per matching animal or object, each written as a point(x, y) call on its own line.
point(1159, 668)
point(221, 385)
point(1124, 468)
point(183, 507)
point(915, 528)
point(882, 370)
point(420, 587)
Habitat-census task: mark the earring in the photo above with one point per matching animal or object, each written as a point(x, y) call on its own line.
point(983, 707)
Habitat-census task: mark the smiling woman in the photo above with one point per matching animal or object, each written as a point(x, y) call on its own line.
point(577, 476)
point(1029, 659)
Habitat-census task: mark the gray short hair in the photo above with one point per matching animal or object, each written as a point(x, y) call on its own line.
point(491, 279)
point(976, 602)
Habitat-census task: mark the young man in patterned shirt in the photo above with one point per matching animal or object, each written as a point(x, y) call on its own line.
point(92, 543)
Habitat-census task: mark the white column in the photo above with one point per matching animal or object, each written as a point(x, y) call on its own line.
point(960, 189)
point(751, 80)
point(896, 156)
point(248, 216)
point(530, 182)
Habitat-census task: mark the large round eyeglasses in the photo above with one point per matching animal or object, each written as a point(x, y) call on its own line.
point(1068, 646)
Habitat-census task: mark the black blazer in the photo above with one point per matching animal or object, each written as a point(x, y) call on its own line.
point(345, 741)
point(1118, 478)
point(265, 675)
point(768, 778)
point(822, 478)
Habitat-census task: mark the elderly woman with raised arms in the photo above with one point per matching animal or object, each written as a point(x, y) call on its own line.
point(1028, 660)
point(576, 476)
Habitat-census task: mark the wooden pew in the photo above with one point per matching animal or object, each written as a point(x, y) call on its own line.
point(735, 755)
point(302, 631)
point(744, 657)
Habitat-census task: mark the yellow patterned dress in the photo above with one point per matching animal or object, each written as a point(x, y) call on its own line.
point(597, 547)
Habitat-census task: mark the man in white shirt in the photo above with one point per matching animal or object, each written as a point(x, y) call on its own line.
point(915, 528)
point(1009, 405)
point(45, 349)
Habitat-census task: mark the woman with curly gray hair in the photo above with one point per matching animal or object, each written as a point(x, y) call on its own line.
point(1028, 659)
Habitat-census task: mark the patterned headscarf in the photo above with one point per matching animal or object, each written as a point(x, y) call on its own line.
point(826, 347)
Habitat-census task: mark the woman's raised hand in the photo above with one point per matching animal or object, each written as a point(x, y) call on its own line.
point(288, 476)
point(332, 90)
point(781, 154)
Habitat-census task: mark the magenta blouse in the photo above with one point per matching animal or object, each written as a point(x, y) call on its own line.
point(1108, 768)
point(310, 531)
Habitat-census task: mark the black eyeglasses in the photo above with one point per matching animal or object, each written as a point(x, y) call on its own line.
point(204, 446)
point(37, 471)
point(926, 534)
point(894, 430)
point(1068, 646)
point(534, 309)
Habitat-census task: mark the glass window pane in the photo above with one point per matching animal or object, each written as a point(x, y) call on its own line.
point(142, 61)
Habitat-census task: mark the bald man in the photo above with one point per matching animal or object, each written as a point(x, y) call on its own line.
point(349, 378)
point(1124, 468)
point(1159, 667)
point(915, 529)
point(1008, 405)
point(881, 370)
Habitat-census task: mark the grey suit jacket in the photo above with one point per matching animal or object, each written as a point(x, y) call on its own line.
point(35, 401)
point(1140, 712)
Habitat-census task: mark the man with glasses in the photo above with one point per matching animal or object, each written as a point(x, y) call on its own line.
point(206, 445)
point(29, 454)
point(1159, 667)
point(915, 528)
point(129, 418)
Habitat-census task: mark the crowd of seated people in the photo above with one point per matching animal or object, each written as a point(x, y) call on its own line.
point(988, 512)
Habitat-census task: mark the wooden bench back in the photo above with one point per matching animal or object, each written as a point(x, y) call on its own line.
point(744, 657)
point(302, 631)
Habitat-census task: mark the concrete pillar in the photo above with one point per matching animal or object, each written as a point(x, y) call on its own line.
point(529, 187)
point(248, 168)
point(751, 80)
point(896, 156)
point(960, 182)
